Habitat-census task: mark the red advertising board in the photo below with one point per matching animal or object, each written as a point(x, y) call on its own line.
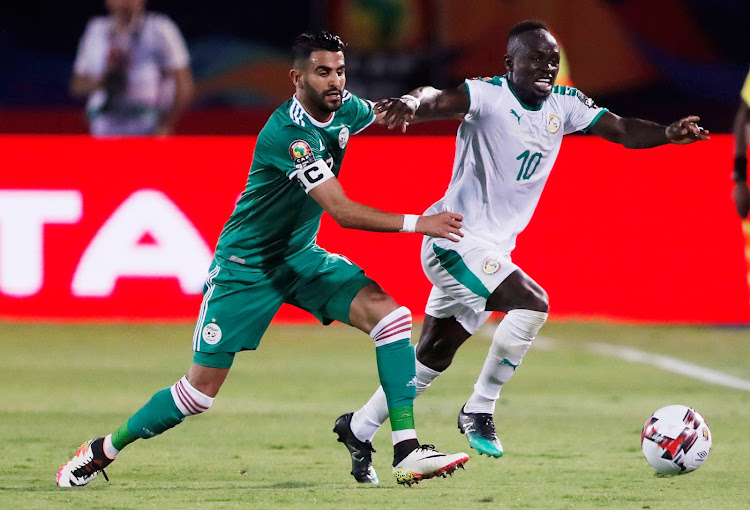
point(123, 230)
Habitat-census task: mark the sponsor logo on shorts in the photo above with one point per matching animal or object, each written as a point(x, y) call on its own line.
point(343, 137)
point(553, 124)
point(413, 382)
point(490, 266)
point(211, 333)
point(301, 153)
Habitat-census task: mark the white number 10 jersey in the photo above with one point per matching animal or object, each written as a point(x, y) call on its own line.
point(505, 151)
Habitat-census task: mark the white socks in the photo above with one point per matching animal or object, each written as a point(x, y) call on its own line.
point(109, 450)
point(366, 421)
point(393, 327)
point(189, 400)
point(510, 342)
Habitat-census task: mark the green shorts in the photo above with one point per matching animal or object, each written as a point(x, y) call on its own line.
point(239, 302)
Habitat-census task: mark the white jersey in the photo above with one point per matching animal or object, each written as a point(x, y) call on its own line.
point(505, 151)
point(156, 49)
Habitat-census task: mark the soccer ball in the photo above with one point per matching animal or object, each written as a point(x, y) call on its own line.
point(676, 440)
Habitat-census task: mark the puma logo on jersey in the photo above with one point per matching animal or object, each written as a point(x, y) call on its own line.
point(518, 117)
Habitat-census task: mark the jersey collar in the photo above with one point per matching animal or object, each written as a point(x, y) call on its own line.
point(314, 122)
point(524, 105)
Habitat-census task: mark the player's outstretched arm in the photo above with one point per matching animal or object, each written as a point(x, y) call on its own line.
point(423, 103)
point(643, 134)
point(350, 214)
point(741, 193)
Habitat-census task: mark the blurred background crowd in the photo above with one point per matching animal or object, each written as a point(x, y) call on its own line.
point(656, 59)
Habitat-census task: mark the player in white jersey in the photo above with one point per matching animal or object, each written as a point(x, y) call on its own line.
point(505, 148)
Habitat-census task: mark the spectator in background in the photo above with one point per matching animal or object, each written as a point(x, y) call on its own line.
point(133, 66)
point(741, 128)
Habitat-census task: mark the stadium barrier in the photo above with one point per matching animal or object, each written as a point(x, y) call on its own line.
point(124, 229)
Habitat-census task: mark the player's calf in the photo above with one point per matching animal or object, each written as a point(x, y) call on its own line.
point(164, 410)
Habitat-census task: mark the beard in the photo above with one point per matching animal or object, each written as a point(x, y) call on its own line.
point(321, 101)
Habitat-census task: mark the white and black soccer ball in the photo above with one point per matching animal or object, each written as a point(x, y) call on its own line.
point(676, 440)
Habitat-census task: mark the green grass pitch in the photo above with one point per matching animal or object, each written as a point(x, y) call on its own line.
point(569, 420)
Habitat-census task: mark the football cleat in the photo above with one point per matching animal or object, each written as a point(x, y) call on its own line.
point(480, 431)
point(88, 461)
point(426, 462)
point(360, 451)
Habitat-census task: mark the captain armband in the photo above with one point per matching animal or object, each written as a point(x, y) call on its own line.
point(740, 169)
point(313, 175)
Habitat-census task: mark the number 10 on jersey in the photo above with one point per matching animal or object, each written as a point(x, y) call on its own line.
point(529, 162)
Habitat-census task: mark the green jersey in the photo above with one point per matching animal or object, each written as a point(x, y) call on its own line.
point(274, 217)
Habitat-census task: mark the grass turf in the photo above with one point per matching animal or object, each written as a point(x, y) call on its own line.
point(570, 421)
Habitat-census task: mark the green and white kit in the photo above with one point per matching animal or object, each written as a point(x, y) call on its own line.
point(267, 253)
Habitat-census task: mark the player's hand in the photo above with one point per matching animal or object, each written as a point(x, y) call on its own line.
point(395, 112)
point(445, 224)
point(686, 131)
point(742, 199)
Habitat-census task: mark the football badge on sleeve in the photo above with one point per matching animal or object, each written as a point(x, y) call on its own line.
point(301, 153)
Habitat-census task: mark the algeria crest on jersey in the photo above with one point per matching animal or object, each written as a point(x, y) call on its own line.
point(343, 137)
point(211, 333)
point(553, 124)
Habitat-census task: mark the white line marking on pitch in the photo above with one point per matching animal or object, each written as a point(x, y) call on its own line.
point(637, 356)
point(671, 365)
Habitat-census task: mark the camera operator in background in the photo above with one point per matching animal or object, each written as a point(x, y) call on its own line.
point(133, 66)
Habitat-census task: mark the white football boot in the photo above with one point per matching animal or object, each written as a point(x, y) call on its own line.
point(426, 462)
point(88, 461)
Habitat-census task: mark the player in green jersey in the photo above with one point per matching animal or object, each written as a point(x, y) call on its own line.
point(267, 255)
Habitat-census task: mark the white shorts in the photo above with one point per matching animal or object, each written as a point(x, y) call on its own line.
point(463, 275)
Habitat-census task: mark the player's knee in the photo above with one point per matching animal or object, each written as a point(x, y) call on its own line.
point(523, 325)
point(392, 327)
point(534, 298)
point(188, 399)
point(436, 352)
point(542, 301)
point(370, 306)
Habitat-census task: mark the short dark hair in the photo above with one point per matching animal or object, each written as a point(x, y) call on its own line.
point(521, 28)
point(526, 26)
point(308, 42)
